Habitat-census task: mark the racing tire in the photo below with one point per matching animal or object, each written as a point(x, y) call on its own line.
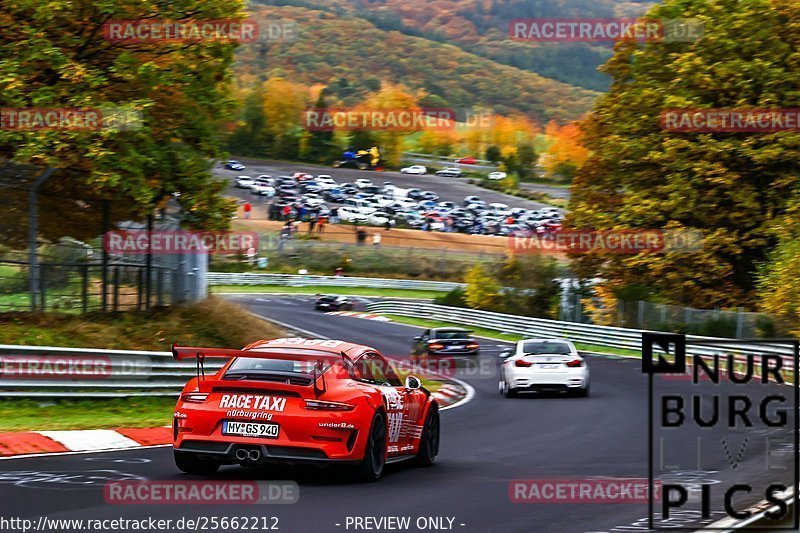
point(363, 166)
point(429, 443)
point(189, 463)
point(371, 466)
point(337, 164)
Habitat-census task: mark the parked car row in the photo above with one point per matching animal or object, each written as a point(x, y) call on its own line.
point(364, 202)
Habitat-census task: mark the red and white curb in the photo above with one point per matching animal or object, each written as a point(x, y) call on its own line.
point(355, 314)
point(84, 440)
point(452, 394)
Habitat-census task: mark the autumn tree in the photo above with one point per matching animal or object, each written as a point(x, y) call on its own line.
point(529, 285)
point(250, 136)
point(483, 290)
point(285, 103)
point(390, 97)
point(779, 277)
point(565, 155)
point(55, 54)
point(732, 187)
point(320, 145)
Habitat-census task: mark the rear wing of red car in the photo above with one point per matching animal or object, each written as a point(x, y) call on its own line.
point(304, 354)
point(283, 353)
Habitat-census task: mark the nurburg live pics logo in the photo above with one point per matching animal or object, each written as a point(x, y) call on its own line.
point(762, 407)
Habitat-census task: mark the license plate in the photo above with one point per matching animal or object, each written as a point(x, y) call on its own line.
point(550, 366)
point(250, 429)
point(455, 347)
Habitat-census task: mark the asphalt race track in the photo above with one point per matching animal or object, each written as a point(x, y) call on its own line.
point(486, 443)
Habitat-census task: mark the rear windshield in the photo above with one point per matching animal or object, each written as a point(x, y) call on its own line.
point(452, 335)
point(245, 365)
point(535, 348)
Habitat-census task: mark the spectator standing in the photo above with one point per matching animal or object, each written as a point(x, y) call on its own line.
point(361, 237)
point(312, 221)
point(247, 208)
point(376, 239)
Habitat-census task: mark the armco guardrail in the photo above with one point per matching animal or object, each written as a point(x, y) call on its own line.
point(75, 373)
point(296, 280)
point(604, 336)
point(43, 371)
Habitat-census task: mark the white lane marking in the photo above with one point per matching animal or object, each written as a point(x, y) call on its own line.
point(310, 334)
point(91, 439)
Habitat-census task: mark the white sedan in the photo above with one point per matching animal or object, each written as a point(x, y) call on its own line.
point(362, 183)
point(263, 188)
point(414, 169)
point(379, 218)
point(244, 182)
point(497, 175)
point(540, 365)
point(326, 182)
point(351, 214)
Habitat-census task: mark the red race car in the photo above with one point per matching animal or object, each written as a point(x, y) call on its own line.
point(306, 401)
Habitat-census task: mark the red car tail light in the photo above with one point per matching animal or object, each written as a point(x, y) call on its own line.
point(522, 363)
point(194, 397)
point(320, 405)
point(473, 346)
point(435, 346)
point(575, 363)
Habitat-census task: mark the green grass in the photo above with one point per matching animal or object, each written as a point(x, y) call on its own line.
point(317, 289)
point(501, 336)
point(214, 322)
point(27, 415)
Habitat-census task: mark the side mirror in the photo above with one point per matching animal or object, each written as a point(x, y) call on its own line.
point(506, 354)
point(413, 383)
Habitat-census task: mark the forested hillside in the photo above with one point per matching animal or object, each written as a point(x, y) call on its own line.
point(481, 27)
point(351, 56)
